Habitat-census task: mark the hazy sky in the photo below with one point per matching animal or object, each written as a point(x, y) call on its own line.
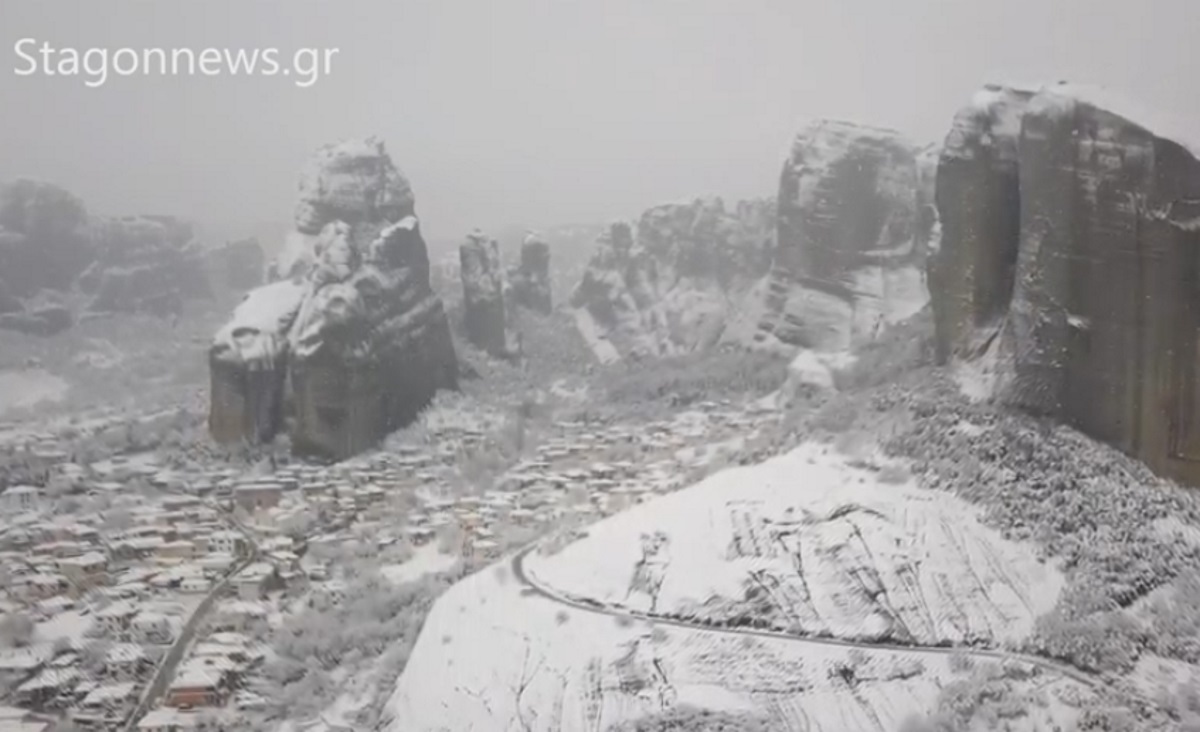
point(528, 111)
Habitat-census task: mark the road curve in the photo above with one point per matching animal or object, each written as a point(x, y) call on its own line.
point(545, 591)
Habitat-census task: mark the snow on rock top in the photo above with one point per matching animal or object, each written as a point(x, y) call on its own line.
point(828, 547)
point(257, 332)
point(352, 181)
point(1063, 95)
point(1006, 104)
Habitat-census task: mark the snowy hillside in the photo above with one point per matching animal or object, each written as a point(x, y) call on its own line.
point(492, 656)
point(817, 547)
point(542, 641)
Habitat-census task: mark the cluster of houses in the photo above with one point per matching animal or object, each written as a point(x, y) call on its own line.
point(174, 584)
point(94, 600)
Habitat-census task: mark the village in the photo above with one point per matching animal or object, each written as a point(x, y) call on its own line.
point(140, 597)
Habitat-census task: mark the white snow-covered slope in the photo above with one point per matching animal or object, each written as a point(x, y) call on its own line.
point(494, 657)
point(509, 649)
point(817, 546)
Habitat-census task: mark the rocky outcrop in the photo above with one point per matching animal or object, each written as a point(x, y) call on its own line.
point(485, 316)
point(1069, 266)
point(371, 344)
point(676, 286)
point(238, 265)
point(530, 279)
point(703, 242)
point(44, 239)
point(849, 258)
point(248, 364)
point(149, 264)
point(362, 338)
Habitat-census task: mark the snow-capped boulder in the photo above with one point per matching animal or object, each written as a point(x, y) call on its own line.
point(1069, 265)
point(44, 240)
point(848, 259)
point(486, 320)
point(680, 284)
point(248, 364)
point(530, 279)
point(364, 340)
point(144, 264)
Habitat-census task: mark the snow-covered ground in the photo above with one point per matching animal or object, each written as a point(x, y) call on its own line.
point(28, 387)
point(827, 548)
point(496, 655)
point(425, 561)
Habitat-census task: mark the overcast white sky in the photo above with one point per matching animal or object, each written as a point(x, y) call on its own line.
point(543, 111)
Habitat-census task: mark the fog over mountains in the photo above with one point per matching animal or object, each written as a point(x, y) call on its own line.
point(632, 366)
point(535, 113)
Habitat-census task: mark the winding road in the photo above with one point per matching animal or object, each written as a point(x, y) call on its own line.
point(540, 589)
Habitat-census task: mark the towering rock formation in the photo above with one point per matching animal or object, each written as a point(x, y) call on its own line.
point(144, 264)
point(530, 279)
point(44, 238)
point(978, 202)
point(363, 340)
point(618, 308)
point(1069, 265)
point(678, 285)
point(849, 259)
point(486, 319)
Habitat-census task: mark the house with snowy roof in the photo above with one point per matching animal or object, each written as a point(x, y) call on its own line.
point(46, 687)
point(20, 499)
point(226, 542)
point(106, 706)
point(126, 662)
point(201, 682)
point(116, 620)
point(154, 628)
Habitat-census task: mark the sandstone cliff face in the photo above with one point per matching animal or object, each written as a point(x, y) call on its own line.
point(363, 340)
point(978, 202)
point(530, 279)
point(485, 314)
point(679, 284)
point(849, 258)
point(144, 264)
point(1077, 243)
